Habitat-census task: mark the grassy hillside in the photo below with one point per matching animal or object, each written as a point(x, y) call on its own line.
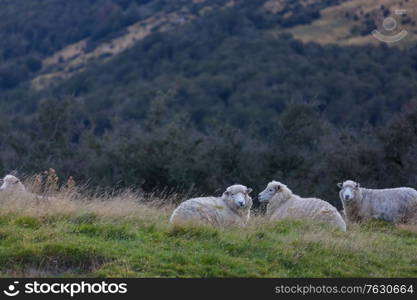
point(192, 96)
point(352, 22)
point(76, 57)
point(43, 40)
point(129, 235)
point(44, 45)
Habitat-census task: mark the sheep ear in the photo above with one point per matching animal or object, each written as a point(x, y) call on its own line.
point(340, 185)
point(249, 191)
point(227, 193)
point(358, 185)
point(278, 188)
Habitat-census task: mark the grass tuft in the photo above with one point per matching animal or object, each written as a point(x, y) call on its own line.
point(194, 232)
point(28, 222)
point(106, 231)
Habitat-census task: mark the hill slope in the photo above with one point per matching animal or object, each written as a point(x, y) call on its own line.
point(352, 23)
point(46, 46)
point(225, 95)
point(124, 237)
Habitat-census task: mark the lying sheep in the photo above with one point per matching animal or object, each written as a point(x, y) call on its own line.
point(394, 205)
point(232, 208)
point(282, 204)
point(12, 185)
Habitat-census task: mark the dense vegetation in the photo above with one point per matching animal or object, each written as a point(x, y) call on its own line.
point(221, 100)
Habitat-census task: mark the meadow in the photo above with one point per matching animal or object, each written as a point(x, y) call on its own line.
point(127, 234)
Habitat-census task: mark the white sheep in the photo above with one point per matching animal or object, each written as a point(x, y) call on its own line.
point(283, 204)
point(12, 185)
point(394, 205)
point(232, 208)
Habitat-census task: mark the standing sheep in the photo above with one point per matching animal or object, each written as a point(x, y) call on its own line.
point(394, 205)
point(232, 208)
point(282, 204)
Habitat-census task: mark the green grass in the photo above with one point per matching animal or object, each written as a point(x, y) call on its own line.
point(104, 245)
point(122, 235)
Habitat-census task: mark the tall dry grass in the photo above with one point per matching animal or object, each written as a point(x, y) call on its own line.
point(45, 197)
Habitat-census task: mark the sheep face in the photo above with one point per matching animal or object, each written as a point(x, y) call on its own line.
point(11, 183)
point(274, 188)
point(348, 190)
point(238, 196)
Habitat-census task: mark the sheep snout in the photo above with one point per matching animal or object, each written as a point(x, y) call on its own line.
point(347, 194)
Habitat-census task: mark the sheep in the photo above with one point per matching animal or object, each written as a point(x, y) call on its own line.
point(12, 185)
point(232, 208)
point(283, 204)
point(395, 205)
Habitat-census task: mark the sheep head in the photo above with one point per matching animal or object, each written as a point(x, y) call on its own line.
point(349, 190)
point(12, 183)
point(237, 196)
point(274, 189)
